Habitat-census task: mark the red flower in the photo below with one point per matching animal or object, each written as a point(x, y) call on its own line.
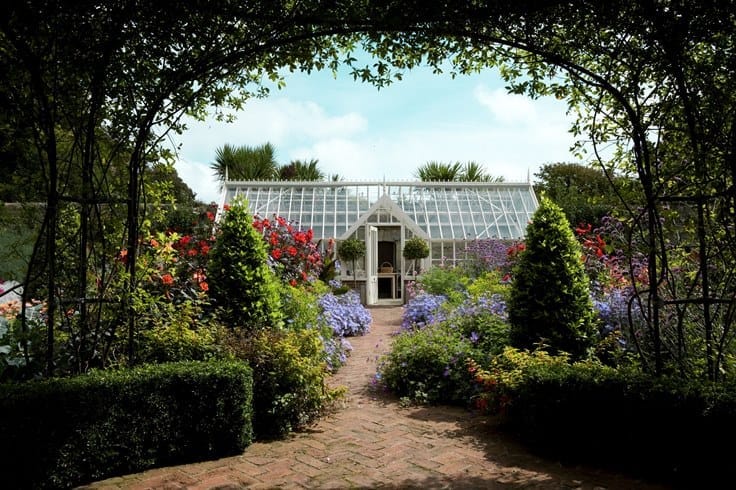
point(210, 216)
point(292, 282)
point(167, 279)
point(291, 250)
point(276, 253)
point(204, 286)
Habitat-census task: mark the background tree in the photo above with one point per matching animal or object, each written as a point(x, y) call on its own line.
point(301, 170)
point(434, 171)
point(550, 303)
point(584, 193)
point(245, 162)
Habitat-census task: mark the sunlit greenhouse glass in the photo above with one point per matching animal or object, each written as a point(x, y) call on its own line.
point(439, 212)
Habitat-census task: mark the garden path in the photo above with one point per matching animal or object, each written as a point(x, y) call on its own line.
point(371, 441)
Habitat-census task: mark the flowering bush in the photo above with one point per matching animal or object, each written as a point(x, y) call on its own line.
point(498, 383)
point(22, 353)
point(428, 366)
point(345, 314)
point(484, 255)
point(292, 254)
point(423, 310)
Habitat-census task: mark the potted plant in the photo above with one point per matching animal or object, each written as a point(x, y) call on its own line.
point(415, 248)
point(351, 249)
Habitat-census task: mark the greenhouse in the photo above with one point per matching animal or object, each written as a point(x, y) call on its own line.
point(387, 214)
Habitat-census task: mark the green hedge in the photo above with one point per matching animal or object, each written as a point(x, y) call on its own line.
point(661, 428)
point(64, 432)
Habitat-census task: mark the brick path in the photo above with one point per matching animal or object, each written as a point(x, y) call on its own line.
point(373, 442)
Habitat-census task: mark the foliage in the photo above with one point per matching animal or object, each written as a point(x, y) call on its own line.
point(22, 349)
point(302, 309)
point(245, 162)
point(447, 281)
point(111, 423)
point(550, 300)
point(18, 230)
point(428, 366)
point(454, 172)
point(243, 286)
point(584, 193)
point(422, 310)
point(415, 248)
point(485, 255)
point(345, 314)
point(351, 249)
point(293, 256)
point(300, 170)
point(663, 428)
point(489, 284)
point(289, 378)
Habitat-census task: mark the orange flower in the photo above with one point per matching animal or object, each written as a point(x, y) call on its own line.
point(167, 279)
point(204, 286)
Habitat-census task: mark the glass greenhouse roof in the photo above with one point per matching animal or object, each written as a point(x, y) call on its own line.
point(441, 210)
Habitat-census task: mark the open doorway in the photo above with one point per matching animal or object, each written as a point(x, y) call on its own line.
point(388, 279)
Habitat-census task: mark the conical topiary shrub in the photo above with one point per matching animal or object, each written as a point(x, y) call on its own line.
point(550, 303)
point(242, 284)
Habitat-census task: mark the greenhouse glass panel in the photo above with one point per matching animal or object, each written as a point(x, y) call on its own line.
point(443, 213)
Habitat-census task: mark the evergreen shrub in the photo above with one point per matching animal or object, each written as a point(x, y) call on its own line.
point(65, 432)
point(242, 284)
point(550, 303)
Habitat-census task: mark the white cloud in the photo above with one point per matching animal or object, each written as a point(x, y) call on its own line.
point(510, 134)
point(507, 108)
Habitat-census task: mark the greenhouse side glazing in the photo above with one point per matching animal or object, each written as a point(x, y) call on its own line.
point(456, 211)
point(447, 215)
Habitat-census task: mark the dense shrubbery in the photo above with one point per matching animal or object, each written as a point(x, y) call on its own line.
point(202, 296)
point(60, 433)
point(289, 378)
point(661, 428)
point(428, 366)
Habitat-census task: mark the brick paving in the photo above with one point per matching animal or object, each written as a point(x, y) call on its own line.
point(371, 441)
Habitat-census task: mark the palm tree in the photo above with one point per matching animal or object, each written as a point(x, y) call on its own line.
point(455, 172)
point(438, 171)
point(301, 170)
point(245, 162)
point(475, 172)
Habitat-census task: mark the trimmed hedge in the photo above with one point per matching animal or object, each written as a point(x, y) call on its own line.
point(661, 428)
point(61, 433)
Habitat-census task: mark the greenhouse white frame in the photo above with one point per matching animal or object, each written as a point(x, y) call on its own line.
point(385, 214)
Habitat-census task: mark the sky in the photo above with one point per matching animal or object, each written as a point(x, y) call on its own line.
point(362, 133)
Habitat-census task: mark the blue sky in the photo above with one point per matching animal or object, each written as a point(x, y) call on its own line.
point(362, 133)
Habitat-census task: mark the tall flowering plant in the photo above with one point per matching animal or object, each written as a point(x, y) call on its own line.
point(484, 255)
point(292, 253)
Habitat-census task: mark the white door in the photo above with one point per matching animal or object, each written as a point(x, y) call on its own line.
point(371, 266)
